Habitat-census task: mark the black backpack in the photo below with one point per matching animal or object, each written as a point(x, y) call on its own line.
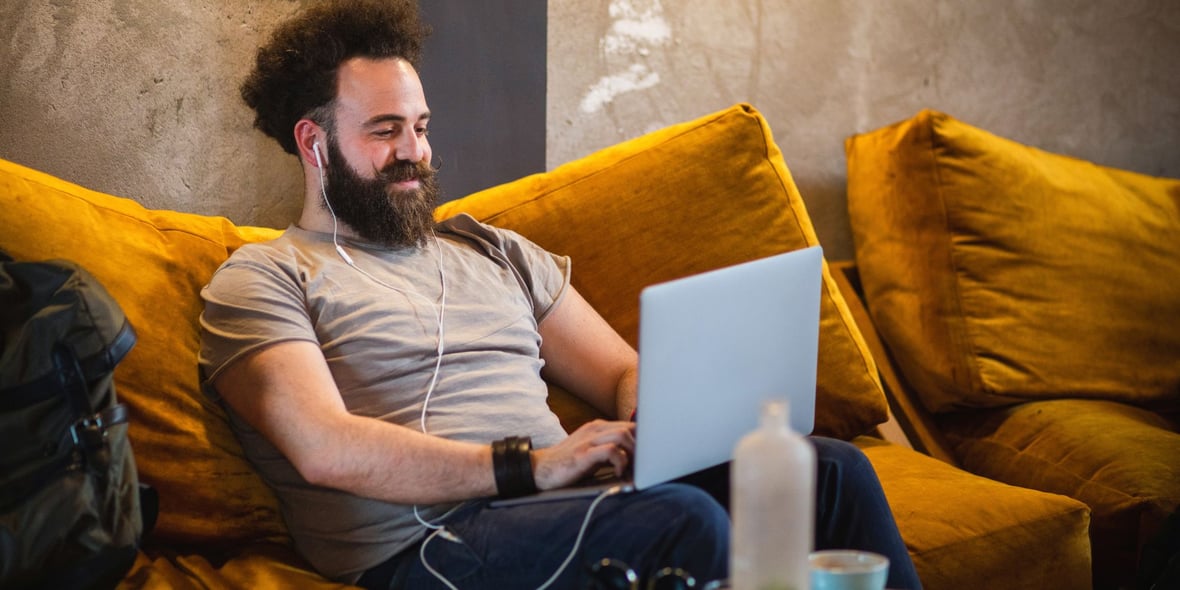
point(70, 508)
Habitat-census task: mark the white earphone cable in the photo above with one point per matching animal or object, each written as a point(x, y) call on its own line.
point(426, 564)
point(439, 309)
point(581, 533)
point(439, 530)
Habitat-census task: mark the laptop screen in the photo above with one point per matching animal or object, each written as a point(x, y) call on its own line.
point(713, 348)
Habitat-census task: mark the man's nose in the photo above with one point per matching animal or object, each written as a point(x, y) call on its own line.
point(412, 148)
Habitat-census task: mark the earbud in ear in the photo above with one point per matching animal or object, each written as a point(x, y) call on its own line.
point(315, 147)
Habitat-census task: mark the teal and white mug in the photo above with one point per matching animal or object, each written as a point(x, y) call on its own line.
point(838, 569)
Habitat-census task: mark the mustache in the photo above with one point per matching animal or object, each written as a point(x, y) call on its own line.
point(401, 171)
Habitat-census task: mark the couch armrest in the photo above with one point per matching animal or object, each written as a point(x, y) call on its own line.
point(914, 420)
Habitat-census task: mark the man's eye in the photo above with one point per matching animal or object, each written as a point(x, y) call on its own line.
point(424, 132)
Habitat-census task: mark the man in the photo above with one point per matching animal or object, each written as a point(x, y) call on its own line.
point(386, 374)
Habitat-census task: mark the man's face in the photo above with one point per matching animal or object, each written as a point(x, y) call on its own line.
point(379, 181)
point(378, 209)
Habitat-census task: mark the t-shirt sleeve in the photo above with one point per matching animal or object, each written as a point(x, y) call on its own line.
point(546, 274)
point(543, 275)
point(249, 305)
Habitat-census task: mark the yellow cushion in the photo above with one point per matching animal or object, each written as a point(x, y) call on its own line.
point(967, 532)
point(659, 207)
point(1001, 273)
point(256, 566)
point(154, 263)
point(1123, 461)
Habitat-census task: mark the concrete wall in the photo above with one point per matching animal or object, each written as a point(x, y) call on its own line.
point(139, 98)
point(1096, 79)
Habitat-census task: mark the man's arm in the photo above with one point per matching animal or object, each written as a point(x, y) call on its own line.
point(287, 393)
point(587, 357)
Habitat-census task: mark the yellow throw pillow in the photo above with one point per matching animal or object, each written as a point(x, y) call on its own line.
point(1000, 273)
point(1122, 461)
point(1005, 536)
point(689, 198)
point(154, 263)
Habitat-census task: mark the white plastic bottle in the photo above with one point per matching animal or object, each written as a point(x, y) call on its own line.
point(772, 505)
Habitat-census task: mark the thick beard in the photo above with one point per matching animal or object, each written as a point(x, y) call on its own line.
point(377, 211)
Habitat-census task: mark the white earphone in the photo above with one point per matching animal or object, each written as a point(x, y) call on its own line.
point(319, 162)
point(440, 307)
point(437, 529)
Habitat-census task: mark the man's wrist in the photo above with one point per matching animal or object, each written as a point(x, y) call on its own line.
point(512, 465)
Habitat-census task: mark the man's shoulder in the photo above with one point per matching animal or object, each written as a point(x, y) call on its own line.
point(286, 249)
point(282, 256)
point(464, 225)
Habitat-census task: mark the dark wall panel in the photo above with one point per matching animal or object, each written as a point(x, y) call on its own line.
point(483, 71)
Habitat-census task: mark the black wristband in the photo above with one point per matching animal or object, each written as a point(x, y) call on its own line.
point(513, 466)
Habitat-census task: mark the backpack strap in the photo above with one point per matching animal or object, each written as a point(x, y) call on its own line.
point(71, 381)
point(90, 432)
point(105, 360)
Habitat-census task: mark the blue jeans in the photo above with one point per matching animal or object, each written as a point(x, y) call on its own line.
point(682, 524)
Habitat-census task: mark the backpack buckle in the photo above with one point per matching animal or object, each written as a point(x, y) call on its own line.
point(91, 431)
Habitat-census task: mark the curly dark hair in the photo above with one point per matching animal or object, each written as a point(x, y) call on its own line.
point(295, 73)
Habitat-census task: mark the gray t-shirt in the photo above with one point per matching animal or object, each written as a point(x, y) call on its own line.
point(378, 330)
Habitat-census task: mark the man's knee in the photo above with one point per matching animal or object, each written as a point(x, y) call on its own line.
point(843, 456)
point(700, 509)
point(844, 474)
point(697, 530)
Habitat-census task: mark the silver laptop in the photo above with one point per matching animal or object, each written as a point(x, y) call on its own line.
point(713, 348)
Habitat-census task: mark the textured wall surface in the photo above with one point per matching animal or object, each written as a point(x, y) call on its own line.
point(1095, 79)
point(139, 98)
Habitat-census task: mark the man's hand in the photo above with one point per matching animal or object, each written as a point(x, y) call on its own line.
point(596, 443)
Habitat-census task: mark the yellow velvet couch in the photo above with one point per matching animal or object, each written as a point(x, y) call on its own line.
point(1027, 305)
point(688, 198)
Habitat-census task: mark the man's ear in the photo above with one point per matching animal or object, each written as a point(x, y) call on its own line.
point(308, 136)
